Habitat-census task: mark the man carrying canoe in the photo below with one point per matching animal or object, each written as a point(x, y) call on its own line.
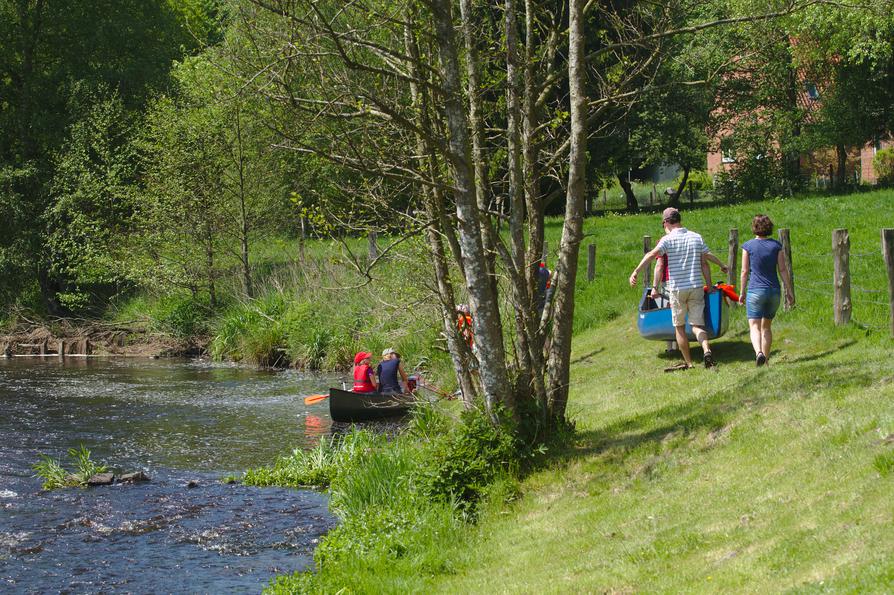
point(687, 257)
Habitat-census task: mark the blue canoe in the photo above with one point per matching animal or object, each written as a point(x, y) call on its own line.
point(654, 319)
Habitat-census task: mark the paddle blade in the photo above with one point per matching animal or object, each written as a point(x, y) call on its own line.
point(314, 399)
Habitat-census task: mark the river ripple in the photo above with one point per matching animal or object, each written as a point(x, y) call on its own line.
point(183, 423)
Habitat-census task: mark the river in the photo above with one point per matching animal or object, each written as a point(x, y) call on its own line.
point(186, 424)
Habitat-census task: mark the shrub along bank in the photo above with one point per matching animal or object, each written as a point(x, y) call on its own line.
point(404, 502)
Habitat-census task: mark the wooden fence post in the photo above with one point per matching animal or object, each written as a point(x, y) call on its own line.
point(733, 257)
point(655, 191)
point(888, 253)
point(604, 198)
point(373, 245)
point(786, 242)
point(591, 262)
point(647, 247)
point(691, 194)
point(841, 246)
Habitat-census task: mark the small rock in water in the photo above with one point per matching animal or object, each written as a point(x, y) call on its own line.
point(101, 479)
point(193, 483)
point(133, 477)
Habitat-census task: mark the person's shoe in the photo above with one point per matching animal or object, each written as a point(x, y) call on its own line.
point(680, 366)
point(761, 359)
point(709, 360)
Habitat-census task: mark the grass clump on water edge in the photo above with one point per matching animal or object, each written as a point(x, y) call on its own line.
point(55, 476)
point(403, 501)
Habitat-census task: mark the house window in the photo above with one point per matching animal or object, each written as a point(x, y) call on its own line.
point(812, 92)
point(727, 152)
point(876, 145)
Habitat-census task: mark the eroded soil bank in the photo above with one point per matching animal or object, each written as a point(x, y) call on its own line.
point(88, 338)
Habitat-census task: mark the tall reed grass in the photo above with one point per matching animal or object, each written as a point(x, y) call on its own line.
point(401, 500)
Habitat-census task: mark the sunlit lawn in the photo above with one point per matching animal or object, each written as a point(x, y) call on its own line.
point(739, 479)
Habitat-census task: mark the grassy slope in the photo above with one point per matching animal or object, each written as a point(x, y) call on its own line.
point(740, 479)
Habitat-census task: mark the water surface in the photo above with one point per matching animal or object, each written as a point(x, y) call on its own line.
point(186, 424)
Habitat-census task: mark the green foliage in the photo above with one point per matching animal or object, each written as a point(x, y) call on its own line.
point(55, 475)
point(94, 185)
point(317, 466)
point(471, 457)
point(698, 179)
point(86, 467)
point(403, 501)
point(52, 55)
point(253, 331)
point(754, 177)
point(883, 163)
point(180, 314)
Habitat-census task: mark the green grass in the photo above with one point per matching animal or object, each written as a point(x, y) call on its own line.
point(404, 502)
point(619, 241)
point(740, 479)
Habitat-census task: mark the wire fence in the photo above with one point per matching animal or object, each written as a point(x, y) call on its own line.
point(855, 287)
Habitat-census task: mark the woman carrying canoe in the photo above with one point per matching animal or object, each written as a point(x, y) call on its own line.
point(762, 257)
point(364, 377)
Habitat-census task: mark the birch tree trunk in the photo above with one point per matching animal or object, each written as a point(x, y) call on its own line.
point(572, 232)
point(485, 308)
point(459, 352)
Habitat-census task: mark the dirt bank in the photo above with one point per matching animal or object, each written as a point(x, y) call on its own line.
point(66, 338)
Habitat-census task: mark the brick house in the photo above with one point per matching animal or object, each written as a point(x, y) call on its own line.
point(867, 153)
point(819, 164)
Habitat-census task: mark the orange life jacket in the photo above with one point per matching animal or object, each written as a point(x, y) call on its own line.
point(727, 290)
point(464, 324)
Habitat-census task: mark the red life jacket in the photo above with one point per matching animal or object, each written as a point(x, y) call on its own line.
point(362, 383)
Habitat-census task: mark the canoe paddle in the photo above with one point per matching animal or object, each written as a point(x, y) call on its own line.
point(310, 400)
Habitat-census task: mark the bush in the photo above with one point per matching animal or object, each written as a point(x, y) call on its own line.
point(752, 178)
point(698, 179)
point(182, 315)
point(883, 163)
point(471, 457)
point(402, 501)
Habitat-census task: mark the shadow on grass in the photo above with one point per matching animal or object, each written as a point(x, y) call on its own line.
point(822, 354)
point(710, 413)
point(586, 357)
point(723, 351)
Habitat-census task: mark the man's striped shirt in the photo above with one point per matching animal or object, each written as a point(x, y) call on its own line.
point(684, 251)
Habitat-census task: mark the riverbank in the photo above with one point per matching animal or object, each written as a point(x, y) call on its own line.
point(66, 338)
point(742, 478)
